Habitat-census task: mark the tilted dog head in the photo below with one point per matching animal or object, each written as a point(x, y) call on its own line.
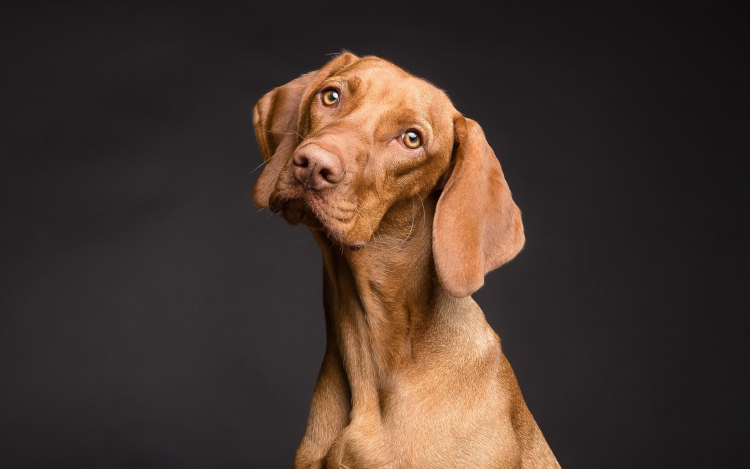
point(346, 143)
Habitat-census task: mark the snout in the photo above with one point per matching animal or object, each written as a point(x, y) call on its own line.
point(317, 168)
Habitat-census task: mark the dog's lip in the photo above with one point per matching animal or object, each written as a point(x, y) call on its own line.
point(279, 204)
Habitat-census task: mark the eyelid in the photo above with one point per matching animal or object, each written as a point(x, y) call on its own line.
point(335, 85)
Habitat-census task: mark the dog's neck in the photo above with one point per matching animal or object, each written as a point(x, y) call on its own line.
point(375, 297)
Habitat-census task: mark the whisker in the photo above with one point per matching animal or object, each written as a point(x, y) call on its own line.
point(276, 153)
point(412, 226)
point(424, 215)
point(294, 132)
point(359, 214)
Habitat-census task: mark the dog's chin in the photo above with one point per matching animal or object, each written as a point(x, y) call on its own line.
point(296, 211)
point(339, 237)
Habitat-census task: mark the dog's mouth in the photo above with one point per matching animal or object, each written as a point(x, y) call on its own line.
point(335, 220)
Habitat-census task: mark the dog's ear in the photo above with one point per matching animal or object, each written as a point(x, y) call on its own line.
point(276, 118)
point(477, 226)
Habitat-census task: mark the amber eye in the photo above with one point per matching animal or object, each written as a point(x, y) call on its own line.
point(330, 97)
point(411, 139)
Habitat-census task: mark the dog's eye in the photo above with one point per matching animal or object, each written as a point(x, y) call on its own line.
point(330, 97)
point(411, 139)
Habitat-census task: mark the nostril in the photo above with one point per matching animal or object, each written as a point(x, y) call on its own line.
point(301, 160)
point(326, 174)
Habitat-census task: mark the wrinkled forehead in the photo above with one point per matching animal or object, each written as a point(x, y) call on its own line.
point(374, 81)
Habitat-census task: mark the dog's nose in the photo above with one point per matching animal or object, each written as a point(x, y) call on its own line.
point(317, 168)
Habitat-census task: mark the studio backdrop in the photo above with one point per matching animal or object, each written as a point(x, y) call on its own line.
point(152, 316)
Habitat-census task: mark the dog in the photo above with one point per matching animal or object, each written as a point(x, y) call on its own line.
point(410, 208)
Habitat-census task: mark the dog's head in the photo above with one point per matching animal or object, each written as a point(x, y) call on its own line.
point(347, 143)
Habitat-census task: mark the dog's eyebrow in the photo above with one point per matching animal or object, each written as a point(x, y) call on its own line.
point(405, 117)
point(402, 120)
point(342, 82)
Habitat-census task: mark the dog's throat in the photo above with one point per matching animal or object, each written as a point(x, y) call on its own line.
point(375, 301)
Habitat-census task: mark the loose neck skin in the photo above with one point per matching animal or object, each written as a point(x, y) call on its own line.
point(378, 299)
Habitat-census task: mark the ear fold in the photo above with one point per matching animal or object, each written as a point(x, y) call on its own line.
point(276, 118)
point(477, 226)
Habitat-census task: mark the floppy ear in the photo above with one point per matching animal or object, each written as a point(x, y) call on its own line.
point(477, 226)
point(276, 119)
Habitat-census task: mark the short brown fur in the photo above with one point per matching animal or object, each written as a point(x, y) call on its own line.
point(413, 376)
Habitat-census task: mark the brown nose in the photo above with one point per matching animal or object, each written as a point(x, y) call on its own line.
point(316, 168)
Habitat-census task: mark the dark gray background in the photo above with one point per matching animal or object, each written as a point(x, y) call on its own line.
point(150, 316)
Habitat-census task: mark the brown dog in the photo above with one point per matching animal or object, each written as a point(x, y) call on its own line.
point(409, 205)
